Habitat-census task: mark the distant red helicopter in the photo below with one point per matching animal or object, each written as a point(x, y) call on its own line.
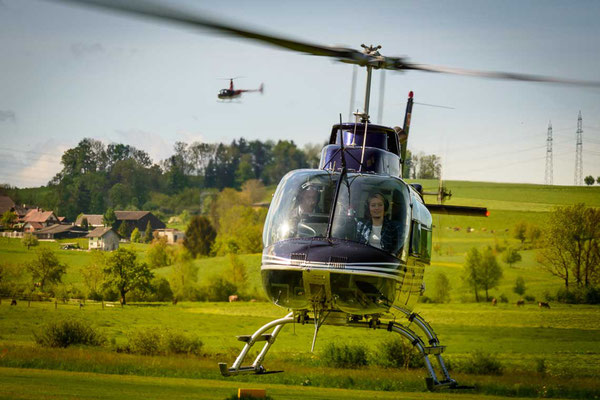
point(231, 93)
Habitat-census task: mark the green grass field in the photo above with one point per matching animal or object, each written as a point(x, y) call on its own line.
point(566, 338)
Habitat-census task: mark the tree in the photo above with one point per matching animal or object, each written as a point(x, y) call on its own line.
point(571, 245)
point(93, 272)
point(519, 286)
point(598, 180)
point(84, 223)
point(184, 274)
point(441, 288)
point(199, 236)
point(471, 271)
point(429, 166)
point(109, 218)
point(253, 191)
point(520, 230)
point(124, 273)
point(237, 271)
point(46, 268)
point(240, 231)
point(511, 256)
point(8, 220)
point(534, 233)
point(135, 235)
point(148, 233)
point(490, 271)
point(123, 230)
point(482, 271)
point(30, 240)
point(589, 180)
point(158, 255)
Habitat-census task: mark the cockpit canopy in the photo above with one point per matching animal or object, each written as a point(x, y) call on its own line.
point(302, 205)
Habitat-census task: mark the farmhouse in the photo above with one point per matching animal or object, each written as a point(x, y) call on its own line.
point(103, 239)
point(172, 235)
point(94, 220)
point(138, 219)
point(37, 219)
point(59, 231)
point(6, 204)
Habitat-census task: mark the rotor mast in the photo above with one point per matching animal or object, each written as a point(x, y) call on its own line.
point(369, 51)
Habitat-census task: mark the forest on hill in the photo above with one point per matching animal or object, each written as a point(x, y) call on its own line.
point(96, 176)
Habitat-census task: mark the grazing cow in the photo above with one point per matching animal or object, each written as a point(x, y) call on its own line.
point(233, 297)
point(494, 301)
point(543, 304)
point(13, 302)
point(520, 303)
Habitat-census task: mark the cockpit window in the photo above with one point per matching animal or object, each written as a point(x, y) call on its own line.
point(370, 209)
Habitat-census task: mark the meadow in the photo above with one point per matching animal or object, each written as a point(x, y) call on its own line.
point(545, 352)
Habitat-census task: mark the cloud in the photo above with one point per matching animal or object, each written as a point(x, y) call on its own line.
point(31, 167)
point(84, 49)
point(152, 143)
point(8, 116)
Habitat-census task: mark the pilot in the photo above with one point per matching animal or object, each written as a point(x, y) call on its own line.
point(307, 200)
point(378, 230)
point(306, 204)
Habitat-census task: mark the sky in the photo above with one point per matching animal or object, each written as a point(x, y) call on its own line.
point(69, 73)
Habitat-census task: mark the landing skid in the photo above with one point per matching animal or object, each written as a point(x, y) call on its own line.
point(432, 348)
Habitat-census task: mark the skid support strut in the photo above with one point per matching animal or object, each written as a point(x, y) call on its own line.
point(258, 336)
point(434, 348)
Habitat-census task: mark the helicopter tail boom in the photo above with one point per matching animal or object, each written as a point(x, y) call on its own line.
point(458, 210)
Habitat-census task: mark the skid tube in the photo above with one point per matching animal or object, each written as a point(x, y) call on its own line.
point(434, 348)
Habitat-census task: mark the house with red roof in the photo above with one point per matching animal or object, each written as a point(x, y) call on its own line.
point(37, 219)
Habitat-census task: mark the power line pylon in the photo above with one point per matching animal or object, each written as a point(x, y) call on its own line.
point(579, 153)
point(549, 174)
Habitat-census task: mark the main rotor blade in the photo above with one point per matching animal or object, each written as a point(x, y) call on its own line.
point(500, 75)
point(163, 12)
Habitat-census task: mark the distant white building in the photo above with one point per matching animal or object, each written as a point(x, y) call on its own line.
point(103, 239)
point(172, 235)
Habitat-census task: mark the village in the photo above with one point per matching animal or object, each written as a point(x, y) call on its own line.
point(20, 220)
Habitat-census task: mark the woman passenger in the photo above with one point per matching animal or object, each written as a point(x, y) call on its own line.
point(378, 231)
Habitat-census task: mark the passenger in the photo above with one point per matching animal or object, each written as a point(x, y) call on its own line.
point(378, 231)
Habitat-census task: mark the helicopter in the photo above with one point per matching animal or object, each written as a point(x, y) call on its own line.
point(348, 243)
point(231, 93)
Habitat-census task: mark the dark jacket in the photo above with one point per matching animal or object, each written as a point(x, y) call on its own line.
point(390, 234)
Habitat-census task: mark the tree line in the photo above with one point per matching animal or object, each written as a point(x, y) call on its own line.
point(95, 176)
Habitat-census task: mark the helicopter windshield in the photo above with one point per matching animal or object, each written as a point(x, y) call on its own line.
point(370, 209)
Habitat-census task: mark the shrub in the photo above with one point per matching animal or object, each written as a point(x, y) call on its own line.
point(548, 296)
point(178, 343)
point(481, 363)
point(344, 356)
point(67, 332)
point(529, 298)
point(589, 295)
point(152, 341)
point(145, 342)
point(540, 366)
point(217, 289)
point(503, 298)
point(400, 354)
